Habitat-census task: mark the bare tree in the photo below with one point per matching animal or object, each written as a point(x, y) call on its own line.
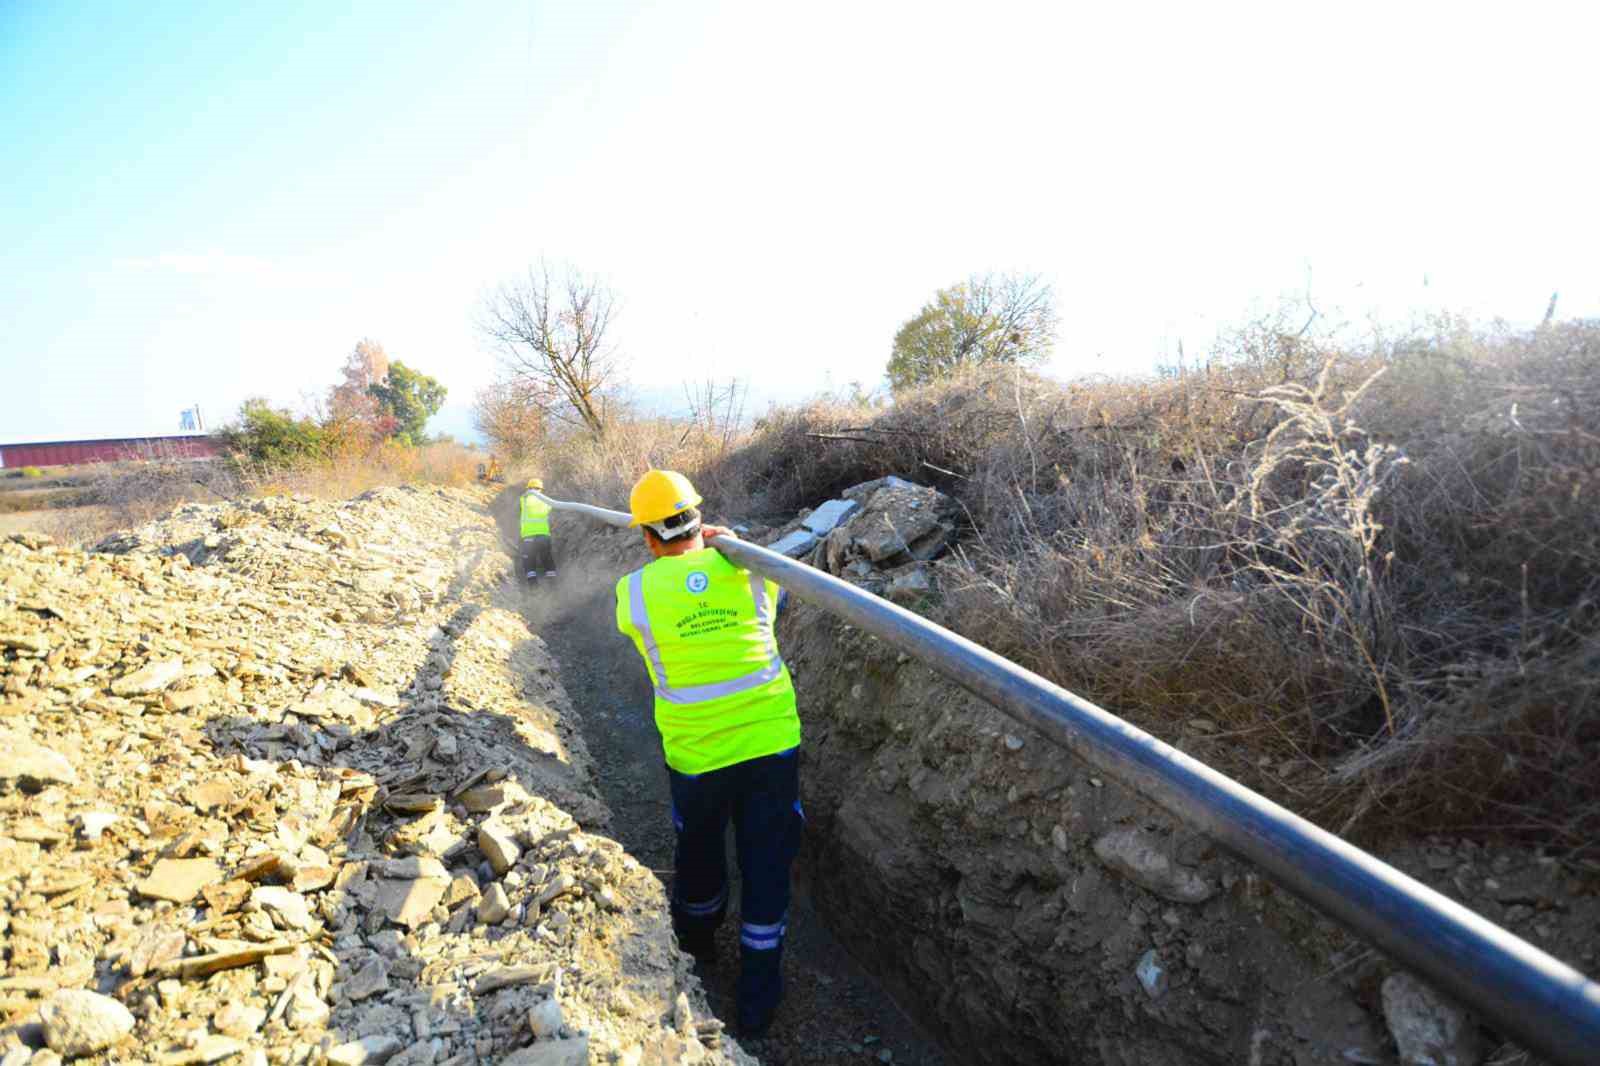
point(511, 417)
point(717, 409)
point(551, 336)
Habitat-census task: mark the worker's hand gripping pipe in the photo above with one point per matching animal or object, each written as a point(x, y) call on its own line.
point(1544, 1004)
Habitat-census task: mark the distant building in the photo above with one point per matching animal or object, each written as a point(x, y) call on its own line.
point(113, 450)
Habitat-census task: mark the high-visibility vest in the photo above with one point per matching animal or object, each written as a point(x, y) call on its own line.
point(535, 517)
point(704, 629)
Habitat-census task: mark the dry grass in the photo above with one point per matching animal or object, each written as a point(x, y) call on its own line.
point(114, 496)
point(1365, 581)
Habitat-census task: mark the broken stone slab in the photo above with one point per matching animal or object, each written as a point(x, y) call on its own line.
point(408, 903)
point(285, 905)
point(238, 1019)
point(498, 846)
point(179, 880)
point(1428, 1029)
point(909, 585)
point(865, 490)
point(369, 981)
point(411, 867)
point(30, 765)
point(570, 1052)
point(794, 544)
point(148, 679)
point(510, 976)
point(494, 907)
point(380, 1047)
point(207, 1049)
point(825, 518)
point(80, 1022)
point(1138, 856)
point(160, 945)
point(885, 535)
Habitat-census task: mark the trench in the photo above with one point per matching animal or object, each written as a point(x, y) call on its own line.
point(834, 1011)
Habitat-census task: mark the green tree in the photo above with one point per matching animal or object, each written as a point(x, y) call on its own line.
point(271, 435)
point(987, 319)
point(410, 398)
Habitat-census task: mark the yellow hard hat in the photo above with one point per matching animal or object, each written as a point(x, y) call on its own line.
point(661, 494)
point(536, 483)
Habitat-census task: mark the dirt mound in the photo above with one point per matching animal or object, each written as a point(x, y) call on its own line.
point(287, 782)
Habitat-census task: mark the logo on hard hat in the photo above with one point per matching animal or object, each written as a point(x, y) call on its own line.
point(678, 506)
point(698, 582)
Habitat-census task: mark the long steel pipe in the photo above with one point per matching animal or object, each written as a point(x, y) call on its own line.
point(1543, 1003)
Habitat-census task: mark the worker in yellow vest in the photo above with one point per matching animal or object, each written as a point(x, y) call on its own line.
point(538, 554)
point(725, 707)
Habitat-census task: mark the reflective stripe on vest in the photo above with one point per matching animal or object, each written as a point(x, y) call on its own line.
point(535, 517)
point(640, 618)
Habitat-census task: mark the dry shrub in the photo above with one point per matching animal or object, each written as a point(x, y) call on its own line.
point(601, 469)
point(355, 469)
point(1363, 579)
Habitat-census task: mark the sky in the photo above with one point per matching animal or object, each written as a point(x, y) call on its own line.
point(205, 202)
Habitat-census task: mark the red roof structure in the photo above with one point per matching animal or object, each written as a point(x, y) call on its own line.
point(114, 450)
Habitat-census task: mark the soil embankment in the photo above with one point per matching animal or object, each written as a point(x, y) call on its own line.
point(293, 782)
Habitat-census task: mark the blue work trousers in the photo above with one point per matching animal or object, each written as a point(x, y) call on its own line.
point(762, 796)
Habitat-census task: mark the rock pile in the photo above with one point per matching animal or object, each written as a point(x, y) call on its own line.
point(286, 782)
point(880, 535)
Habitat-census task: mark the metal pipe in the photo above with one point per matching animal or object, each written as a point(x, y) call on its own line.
point(1545, 1004)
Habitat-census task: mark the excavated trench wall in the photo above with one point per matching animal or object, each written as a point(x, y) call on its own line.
point(1027, 910)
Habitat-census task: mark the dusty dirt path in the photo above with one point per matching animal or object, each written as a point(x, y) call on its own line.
point(833, 1011)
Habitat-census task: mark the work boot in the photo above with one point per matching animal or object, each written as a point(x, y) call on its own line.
point(760, 990)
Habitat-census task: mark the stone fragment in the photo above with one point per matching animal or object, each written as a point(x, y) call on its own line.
point(563, 884)
point(570, 1052)
point(211, 794)
point(303, 1008)
point(544, 1019)
point(370, 980)
point(494, 907)
point(1428, 1029)
point(148, 679)
point(1152, 975)
point(30, 765)
point(286, 906)
point(225, 897)
point(206, 1049)
point(485, 798)
point(80, 1022)
point(408, 903)
point(158, 946)
point(259, 868)
point(409, 868)
point(794, 544)
point(823, 520)
point(1138, 856)
point(178, 880)
point(311, 878)
point(238, 1019)
point(95, 823)
point(508, 976)
point(909, 585)
point(378, 1048)
point(498, 847)
point(462, 889)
